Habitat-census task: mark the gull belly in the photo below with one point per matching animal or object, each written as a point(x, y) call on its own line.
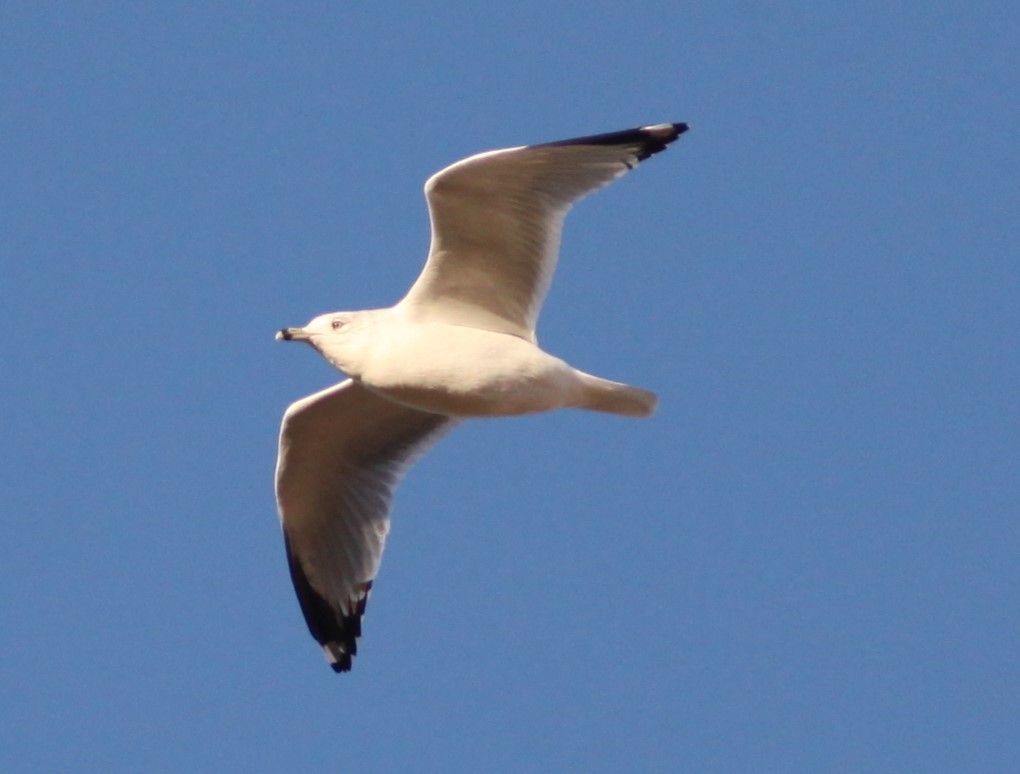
point(467, 372)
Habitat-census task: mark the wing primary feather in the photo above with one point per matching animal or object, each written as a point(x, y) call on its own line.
point(334, 630)
point(648, 139)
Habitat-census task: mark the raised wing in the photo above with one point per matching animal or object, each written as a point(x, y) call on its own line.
point(496, 223)
point(342, 453)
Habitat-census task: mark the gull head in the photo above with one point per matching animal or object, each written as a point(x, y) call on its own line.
point(332, 325)
point(335, 335)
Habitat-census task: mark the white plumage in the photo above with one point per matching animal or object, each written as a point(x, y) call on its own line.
point(460, 344)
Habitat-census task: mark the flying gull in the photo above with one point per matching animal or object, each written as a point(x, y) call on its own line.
point(460, 344)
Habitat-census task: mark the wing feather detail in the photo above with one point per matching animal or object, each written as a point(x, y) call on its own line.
point(497, 218)
point(342, 453)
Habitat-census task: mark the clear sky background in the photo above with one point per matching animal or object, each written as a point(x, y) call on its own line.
point(808, 560)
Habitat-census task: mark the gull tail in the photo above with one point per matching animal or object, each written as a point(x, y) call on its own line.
point(615, 398)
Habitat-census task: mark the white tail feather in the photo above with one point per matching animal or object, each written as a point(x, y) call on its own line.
point(615, 398)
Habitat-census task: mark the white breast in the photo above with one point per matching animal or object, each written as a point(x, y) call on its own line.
point(467, 372)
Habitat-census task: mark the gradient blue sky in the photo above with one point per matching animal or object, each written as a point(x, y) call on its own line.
point(808, 560)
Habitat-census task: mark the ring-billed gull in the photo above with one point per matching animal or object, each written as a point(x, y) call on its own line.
point(460, 344)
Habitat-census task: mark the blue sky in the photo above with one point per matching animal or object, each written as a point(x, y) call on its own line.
point(808, 560)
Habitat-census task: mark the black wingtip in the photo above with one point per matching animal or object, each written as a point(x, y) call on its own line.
point(657, 137)
point(334, 630)
point(647, 140)
point(341, 666)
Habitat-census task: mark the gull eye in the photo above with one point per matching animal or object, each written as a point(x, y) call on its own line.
point(337, 324)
